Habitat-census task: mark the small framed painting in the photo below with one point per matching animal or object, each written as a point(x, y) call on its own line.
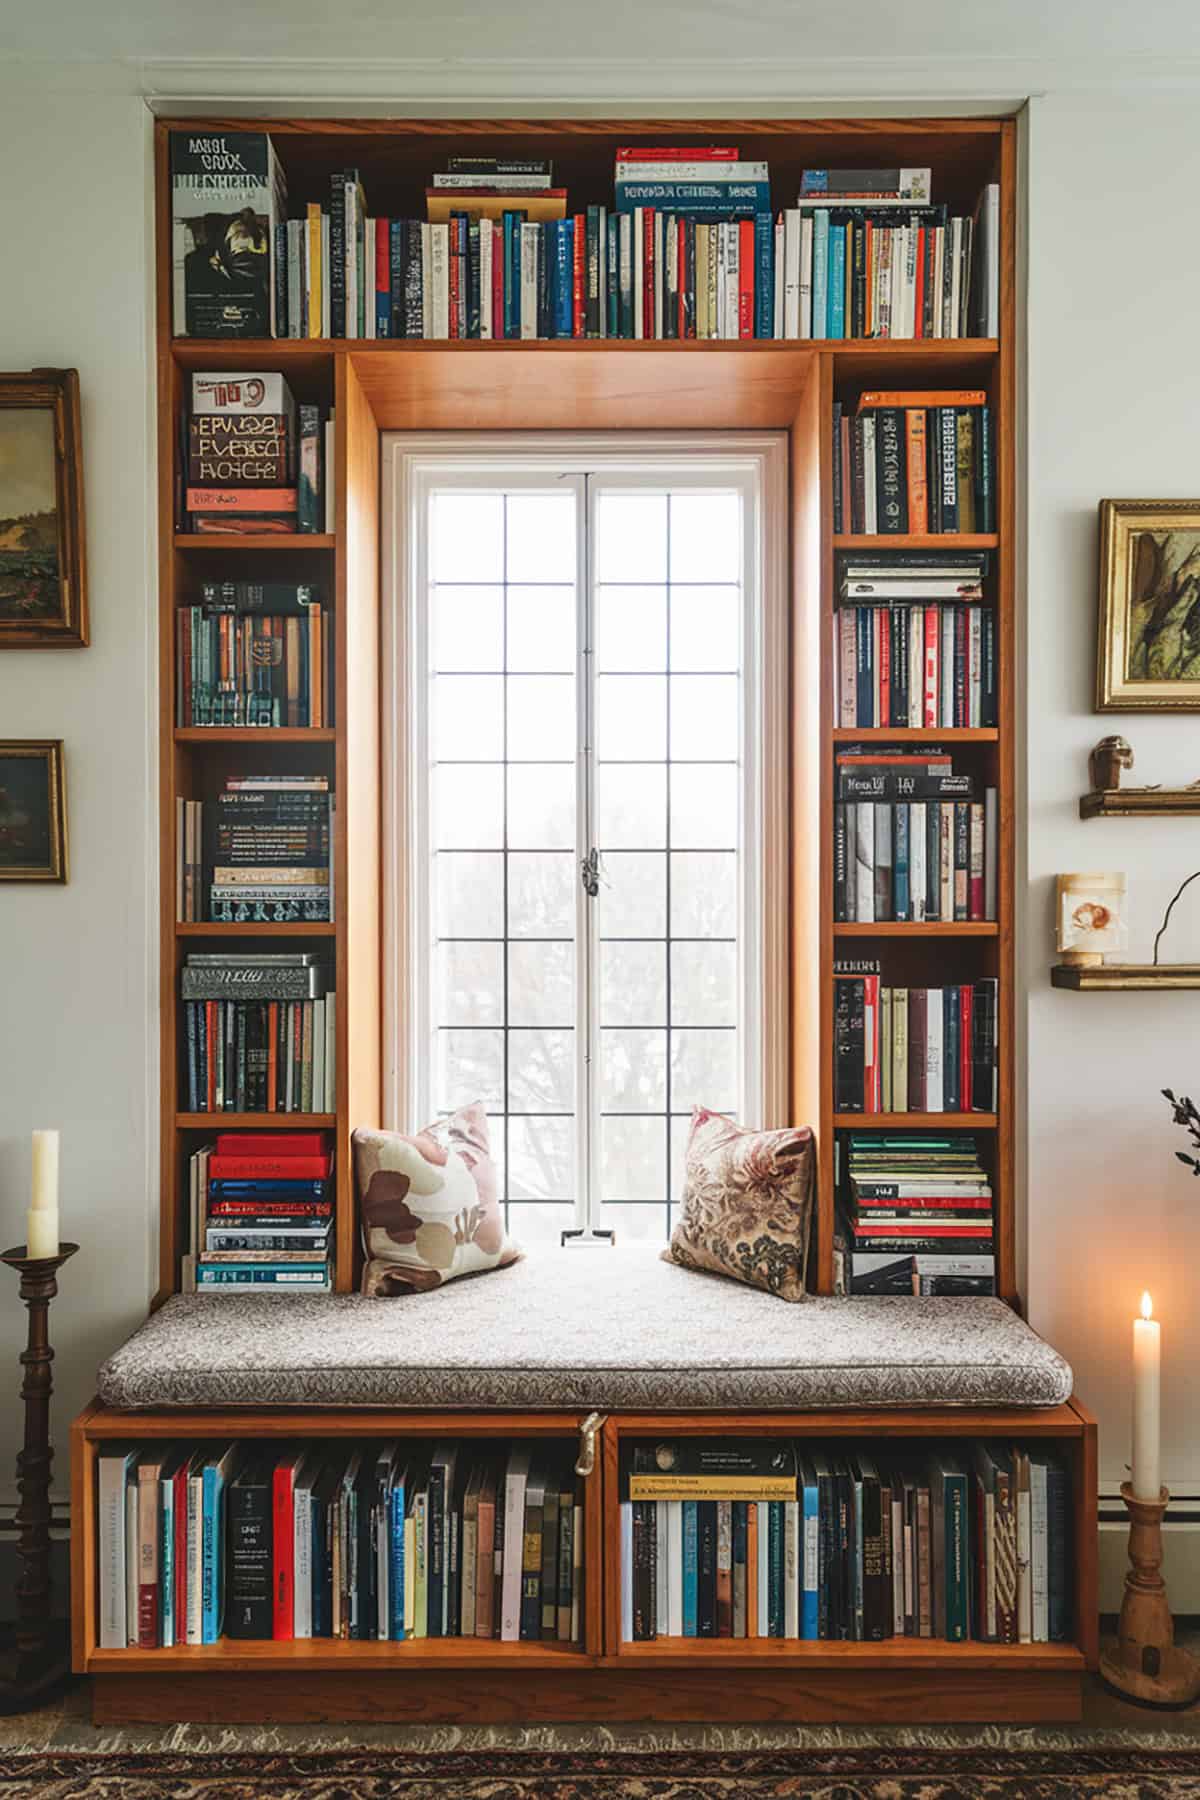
point(1149, 638)
point(43, 592)
point(33, 812)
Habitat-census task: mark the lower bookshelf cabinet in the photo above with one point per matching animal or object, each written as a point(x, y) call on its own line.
point(576, 1659)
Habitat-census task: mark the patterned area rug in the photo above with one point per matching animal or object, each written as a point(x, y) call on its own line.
point(892, 1772)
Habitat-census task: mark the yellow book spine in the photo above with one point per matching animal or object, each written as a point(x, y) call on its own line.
point(712, 1487)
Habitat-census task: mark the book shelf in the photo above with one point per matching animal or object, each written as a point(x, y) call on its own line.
point(587, 385)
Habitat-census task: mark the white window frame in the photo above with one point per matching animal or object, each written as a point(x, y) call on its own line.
point(756, 463)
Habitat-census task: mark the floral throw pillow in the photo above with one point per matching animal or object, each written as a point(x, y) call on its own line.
point(747, 1204)
point(429, 1204)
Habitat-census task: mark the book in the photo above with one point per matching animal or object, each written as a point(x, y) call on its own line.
point(250, 1597)
point(228, 199)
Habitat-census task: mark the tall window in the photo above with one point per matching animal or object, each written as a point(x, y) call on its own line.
point(582, 733)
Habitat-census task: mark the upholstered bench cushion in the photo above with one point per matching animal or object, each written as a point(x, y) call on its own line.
point(615, 1330)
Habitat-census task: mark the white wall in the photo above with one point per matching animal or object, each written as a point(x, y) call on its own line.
point(1113, 396)
point(75, 960)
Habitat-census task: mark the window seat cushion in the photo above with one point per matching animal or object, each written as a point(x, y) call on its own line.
point(615, 1330)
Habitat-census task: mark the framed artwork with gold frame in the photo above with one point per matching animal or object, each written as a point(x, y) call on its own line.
point(33, 810)
point(1149, 630)
point(43, 583)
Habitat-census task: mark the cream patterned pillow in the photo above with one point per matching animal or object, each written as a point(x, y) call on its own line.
point(747, 1204)
point(429, 1204)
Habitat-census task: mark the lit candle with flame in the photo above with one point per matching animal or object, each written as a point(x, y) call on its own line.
point(1147, 1348)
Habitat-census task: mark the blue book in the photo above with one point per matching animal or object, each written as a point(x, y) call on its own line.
point(837, 282)
point(251, 1189)
point(764, 275)
point(396, 1510)
point(396, 278)
point(809, 1550)
point(691, 1564)
point(564, 248)
point(512, 274)
point(703, 199)
point(900, 858)
point(820, 275)
point(216, 1474)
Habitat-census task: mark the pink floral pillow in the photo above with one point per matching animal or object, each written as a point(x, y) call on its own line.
point(429, 1204)
point(747, 1204)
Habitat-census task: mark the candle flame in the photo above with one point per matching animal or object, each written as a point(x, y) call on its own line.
point(1147, 1307)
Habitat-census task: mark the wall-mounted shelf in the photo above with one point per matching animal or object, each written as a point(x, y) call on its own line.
point(1131, 803)
point(1109, 977)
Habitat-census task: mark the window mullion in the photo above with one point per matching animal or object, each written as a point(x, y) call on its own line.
point(587, 1131)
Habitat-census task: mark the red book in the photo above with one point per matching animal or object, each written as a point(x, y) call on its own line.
point(497, 276)
point(921, 1228)
point(871, 1082)
point(274, 1143)
point(270, 1168)
point(241, 500)
point(383, 239)
point(675, 153)
point(283, 1547)
point(883, 664)
point(272, 1057)
point(928, 1203)
point(966, 1016)
point(745, 278)
point(932, 659)
point(455, 267)
point(647, 271)
point(579, 276)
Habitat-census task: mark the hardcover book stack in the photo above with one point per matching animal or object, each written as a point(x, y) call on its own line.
point(252, 461)
point(260, 1032)
point(912, 1049)
point(914, 645)
point(260, 1206)
point(381, 1540)
point(914, 461)
point(915, 1215)
point(912, 839)
point(255, 653)
point(264, 847)
point(815, 1541)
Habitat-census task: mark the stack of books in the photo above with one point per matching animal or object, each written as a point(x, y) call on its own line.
point(252, 461)
point(912, 1049)
point(379, 1540)
point(805, 1540)
point(913, 840)
point(264, 848)
point(255, 653)
point(914, 645)
point(914, 461)
point(260, 1032)
point(261, 1211)
point(915, 1215)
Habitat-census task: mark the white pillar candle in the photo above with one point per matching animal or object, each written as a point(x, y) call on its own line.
point(1147, 1349)
point(41, 1228)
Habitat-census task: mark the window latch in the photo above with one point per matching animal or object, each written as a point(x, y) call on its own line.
point(585, 1462)
point(589, 874)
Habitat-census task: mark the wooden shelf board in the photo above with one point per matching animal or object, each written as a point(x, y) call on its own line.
point(947, 1121)
point(197, 353)
point(1126, 977)
point(299, 1654)
point(231, 1121)
point(256, 928)
point(1061, 1421)
point(255, 734)
point(932, 928)
point(255, 540)
point(1140, 803)
point(920, 540)
point(919, 1653)
point(912, 734)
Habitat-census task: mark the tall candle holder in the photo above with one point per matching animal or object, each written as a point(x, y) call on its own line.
point(39, 1657)
point(1145, 1663)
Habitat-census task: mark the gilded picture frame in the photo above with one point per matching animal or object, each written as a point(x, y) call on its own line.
point(43, 577)
point(1148, 653)
point(33, 810)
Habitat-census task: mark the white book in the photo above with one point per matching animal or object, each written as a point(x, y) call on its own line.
point(710, 173)
point(916, 666)
point(439, 236)
point(870, 517)
point(792, 1568)
point(327, 477)
point(791, 275)
point(131, 1556)
point(946, 685)
point(410, 1571)
point(325, 299)
point(330, 1053)
point(918, 876)
point(806, 260)
point(516, 1477)
point(637, 258)
point(302, 1489)
point(195, 1550)
point(991, 832)
point(530, 241)
point(1039, 1551)
point(847, 628)
point(989, 253)
point(899, 1559)
point(602, 241)
point(934, 1040)
point(626, 263)
point(779, 310)
point(939, 271)
point(956, 273)
point(764, 1566)
point(427, 324)
point(662, 1596)
point(896, 302)
point(486, 241)
point(733, 276)
point(671, 269)
point(115, 1465)
point(627, 1571)
point(864, 864)
point(318, 1057)
point(675, 1568)
point(974, 665)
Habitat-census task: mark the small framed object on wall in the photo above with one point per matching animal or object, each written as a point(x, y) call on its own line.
point(1149, 637)
point(33, 810)
point(43, 584)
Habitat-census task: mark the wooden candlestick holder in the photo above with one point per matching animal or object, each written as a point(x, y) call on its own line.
point(1145, 1663)
point(38, 1658)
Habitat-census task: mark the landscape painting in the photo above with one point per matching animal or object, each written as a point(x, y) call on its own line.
point(1149, 606)
point(42, 598)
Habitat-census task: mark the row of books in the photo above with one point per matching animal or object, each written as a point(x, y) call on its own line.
point(928, 667)
point(914, 1214)
point(692, 247)
point(384, 1540)
point(260, 852)
point(260, 1213)
point(250, 667)
point(259, 1031)
point(251, 460)
point(914, 461)
point(912, 1049)
point(772, 1539)
point(911, 842)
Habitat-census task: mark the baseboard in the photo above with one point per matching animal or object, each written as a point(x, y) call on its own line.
point(1181, 1551)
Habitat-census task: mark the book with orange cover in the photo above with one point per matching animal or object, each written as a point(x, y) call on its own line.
point(921, 397)
point(918, 484)
point(241, 500)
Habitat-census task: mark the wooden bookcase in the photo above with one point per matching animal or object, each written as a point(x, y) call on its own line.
point(586, 385)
